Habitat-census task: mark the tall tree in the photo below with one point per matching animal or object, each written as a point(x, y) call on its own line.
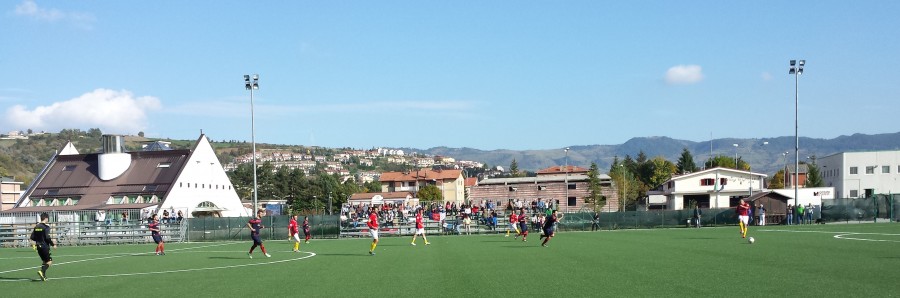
point(813, 176)
point(662, 171)
point(430, 193)
point(777, 181)
point(686, 162)
point(595, 196)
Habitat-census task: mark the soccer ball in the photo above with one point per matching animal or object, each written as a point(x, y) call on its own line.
point(751, 240)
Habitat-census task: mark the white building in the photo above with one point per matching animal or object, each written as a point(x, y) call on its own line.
point(712, 188)
point(861, 174)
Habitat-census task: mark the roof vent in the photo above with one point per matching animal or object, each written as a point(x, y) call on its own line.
point(112, 161)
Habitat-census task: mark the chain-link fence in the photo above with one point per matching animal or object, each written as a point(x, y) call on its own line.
point(235, 228)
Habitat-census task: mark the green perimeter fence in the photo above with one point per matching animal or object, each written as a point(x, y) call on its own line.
point(15, 226)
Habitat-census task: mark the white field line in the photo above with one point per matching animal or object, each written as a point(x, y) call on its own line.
point(843, 235)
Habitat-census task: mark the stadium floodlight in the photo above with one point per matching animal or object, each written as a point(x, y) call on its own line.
point(253, 85)
point(796, 69)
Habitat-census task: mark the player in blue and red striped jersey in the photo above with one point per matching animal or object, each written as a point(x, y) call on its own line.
point(549, 227)
point(154, 232)
point(523, 225)
point(294, 233)
point(513, 224)
point(420, 228)
point(255, 224)
point(306, 228)
point(373, 229)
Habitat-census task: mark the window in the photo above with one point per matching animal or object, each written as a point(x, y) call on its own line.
point(707, 181)
point(69, 168)
point(885, 169)
point(150, 187)
point(723, 181)
point(854, 193)
point(164, 165)
point(512, 188)
point(542, 187)
point(572, 201)
point(52, 192)
point(854, 170)
point(572, 186)
point(870, 169)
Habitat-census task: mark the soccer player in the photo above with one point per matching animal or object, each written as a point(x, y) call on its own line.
point(549, 227)
point(513, 224)
point(294, 233)
point(373, 229)
point(743, 211)
point(154, 232)
point(306, 228)
point(255, 224)
point(523, 225)
point(41, 237)
point(420, 228)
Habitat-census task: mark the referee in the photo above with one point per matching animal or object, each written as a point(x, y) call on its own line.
point(41, 237)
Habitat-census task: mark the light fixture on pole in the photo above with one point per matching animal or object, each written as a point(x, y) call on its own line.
point(624, 186)
point(567, 180)
point(735, 156)
point(252, 85)
point(796, 70)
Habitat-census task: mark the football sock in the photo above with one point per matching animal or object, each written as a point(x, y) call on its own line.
point(263, 248)
point(252, 247)
point(373, 246)
point(296, 245)
point(44, 269)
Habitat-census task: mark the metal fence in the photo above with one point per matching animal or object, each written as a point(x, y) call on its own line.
point(235, 228)
point(86, 227)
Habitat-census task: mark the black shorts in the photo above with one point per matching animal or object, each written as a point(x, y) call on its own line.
point(157, 239)
point(548, 231)
point(43, 251)
point(523, 227)
point(305, 232)
point(256, 239)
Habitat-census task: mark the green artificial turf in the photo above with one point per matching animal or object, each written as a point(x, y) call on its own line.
point(785, 260)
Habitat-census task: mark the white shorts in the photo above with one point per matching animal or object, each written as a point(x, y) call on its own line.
point(297, 237)
point(420, 232)
point(513, 226)
point(373, 233)
point(744, 219)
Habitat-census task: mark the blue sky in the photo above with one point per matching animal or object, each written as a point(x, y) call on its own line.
point(480, 74)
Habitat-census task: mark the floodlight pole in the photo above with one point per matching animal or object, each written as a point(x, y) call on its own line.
point(567, 181)
point(796, 70)
point(253, 85)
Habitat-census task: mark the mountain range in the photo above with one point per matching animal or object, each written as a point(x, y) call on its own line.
point(765, 155)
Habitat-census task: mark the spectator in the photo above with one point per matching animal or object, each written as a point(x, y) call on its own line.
point(790, 214)
point(595, 221)
point(697, 216)
point(799, 214)
point(165, 216)
point(493, 220)
point(467, 222)
point(124, 217)
point(180, 217)
point(761, 210)
point(809, 213)
point(100, 217)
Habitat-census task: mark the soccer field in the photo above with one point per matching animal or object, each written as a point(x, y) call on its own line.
point(835, 260)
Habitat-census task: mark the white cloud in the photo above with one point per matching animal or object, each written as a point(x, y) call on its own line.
point(29, 8)
point(684, 74)
point(766, 76)
point(110, 110)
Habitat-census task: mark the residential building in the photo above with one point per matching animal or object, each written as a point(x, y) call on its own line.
point(450, 182)
point(861, 174)
point(566, 192)
point(10, 191)
point(711, 188)
point(187, 180)
point(789, 176)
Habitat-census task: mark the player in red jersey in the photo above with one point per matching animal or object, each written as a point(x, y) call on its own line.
point(523, 225)
point(306, 228)
point(743, 211)
point(513, 224)
point(154, 232)
point(373, 229)
point(420, 228)
point(294, 233)
point(255, 224)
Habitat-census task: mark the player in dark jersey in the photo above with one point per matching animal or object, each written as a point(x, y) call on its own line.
point(41, 237)
point(549, 227)
point(154, 232)
point(306, 228)
point(523, 225)
point(255, 225)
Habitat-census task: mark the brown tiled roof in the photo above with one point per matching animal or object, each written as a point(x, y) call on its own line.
point(424, 174)
point(386, 195)
point(77, 176)
point(562, 170)
point(471, 181)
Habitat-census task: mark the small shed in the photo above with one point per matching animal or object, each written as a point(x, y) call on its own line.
point(774, 203)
